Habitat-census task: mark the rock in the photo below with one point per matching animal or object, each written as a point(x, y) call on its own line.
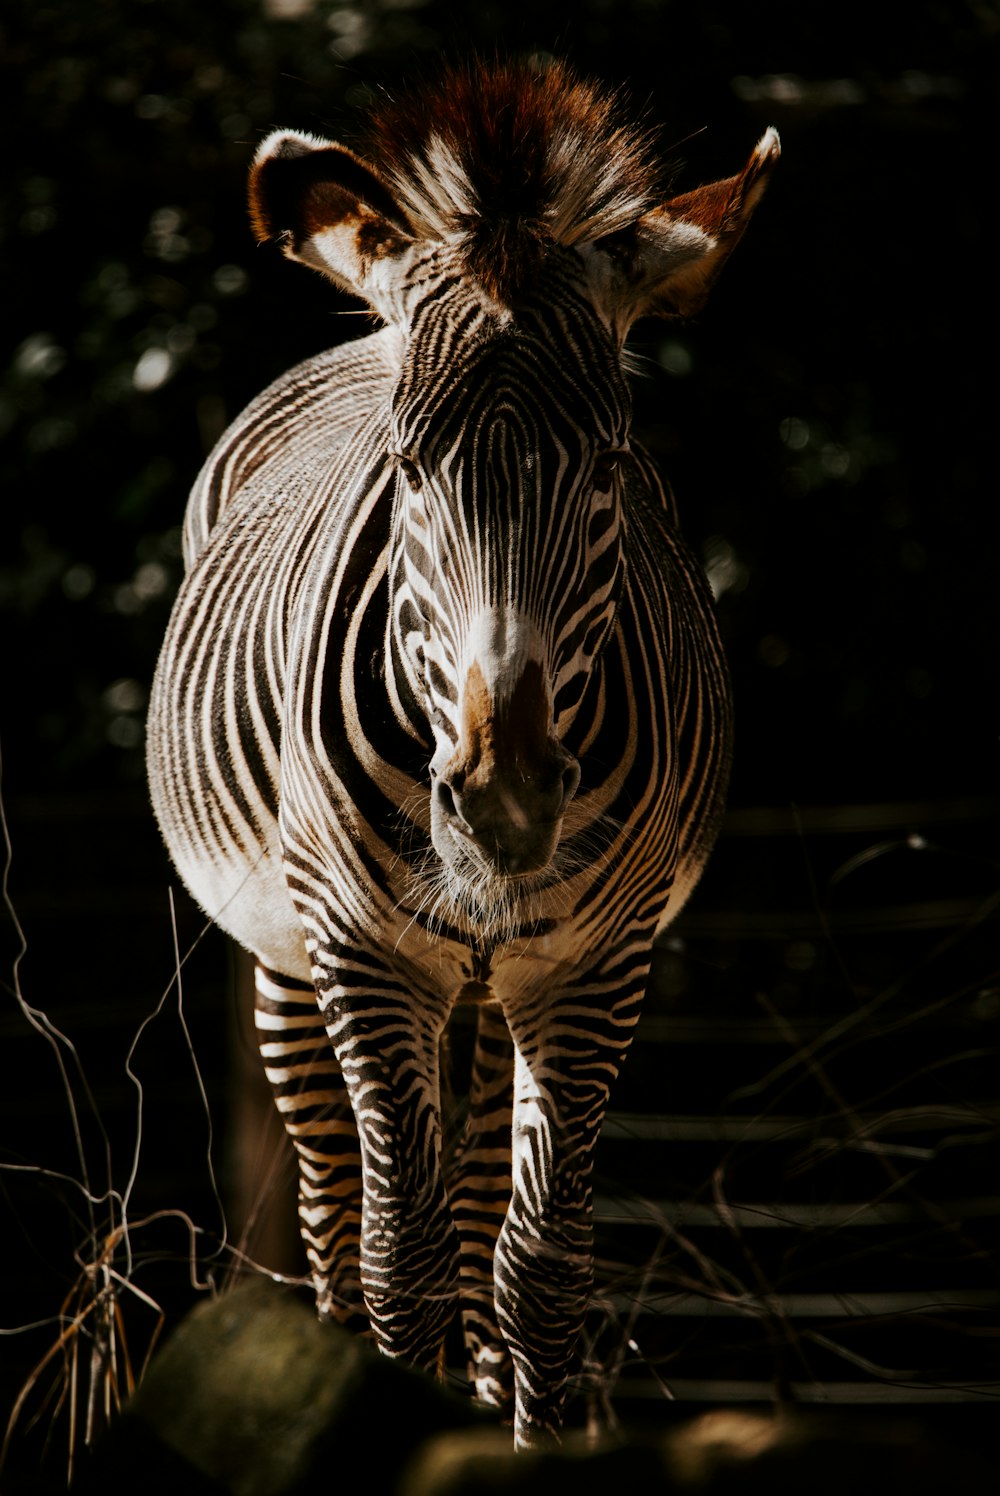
point(734, 1452)
point(722, 1453)
point(482, 1462)
point(253, 1396)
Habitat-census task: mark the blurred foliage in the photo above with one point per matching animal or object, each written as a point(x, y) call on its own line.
point(822, 421)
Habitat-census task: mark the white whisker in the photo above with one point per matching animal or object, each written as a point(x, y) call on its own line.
point(467, 894)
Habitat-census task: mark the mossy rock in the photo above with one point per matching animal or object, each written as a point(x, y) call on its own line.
point(253, 1396)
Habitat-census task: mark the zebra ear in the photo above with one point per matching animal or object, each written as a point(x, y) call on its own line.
point(680, 247)
point(328, 208)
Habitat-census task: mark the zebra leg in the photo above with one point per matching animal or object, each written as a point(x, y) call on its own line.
point(568, 1053)
point(312, 1099)
point(479, 1191)
point(387, 1039)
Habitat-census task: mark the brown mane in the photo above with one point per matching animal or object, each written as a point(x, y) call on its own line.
point(508, 157)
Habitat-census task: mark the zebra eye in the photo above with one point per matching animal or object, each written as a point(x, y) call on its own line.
point(605, 467)
point(410, 472)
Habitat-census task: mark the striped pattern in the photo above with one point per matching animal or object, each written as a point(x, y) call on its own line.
point(312, 1100)
point(441, 715)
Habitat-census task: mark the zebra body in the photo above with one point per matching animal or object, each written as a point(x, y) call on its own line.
point(441, 714)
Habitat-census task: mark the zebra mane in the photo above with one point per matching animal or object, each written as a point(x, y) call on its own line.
point(509, 157)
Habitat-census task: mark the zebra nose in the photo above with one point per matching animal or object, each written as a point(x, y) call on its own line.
point(511, 813)
point(570, 782)
point(524, 797)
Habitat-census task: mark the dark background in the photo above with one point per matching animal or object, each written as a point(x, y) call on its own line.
point(823, 419)
point(827, 423)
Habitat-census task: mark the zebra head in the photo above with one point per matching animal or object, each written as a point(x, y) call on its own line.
point(508, 432)
point(510, 229)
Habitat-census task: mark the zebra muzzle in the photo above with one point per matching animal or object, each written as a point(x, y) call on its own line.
point(497, 803)
point(507, 818)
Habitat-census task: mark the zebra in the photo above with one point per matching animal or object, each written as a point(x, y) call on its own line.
point(441, 716)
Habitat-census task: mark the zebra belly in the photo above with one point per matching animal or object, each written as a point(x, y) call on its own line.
point(248, 897)
point(255, 909)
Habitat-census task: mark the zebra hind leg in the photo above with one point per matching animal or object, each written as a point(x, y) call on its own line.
point(312, 1100)
point(479, 1184)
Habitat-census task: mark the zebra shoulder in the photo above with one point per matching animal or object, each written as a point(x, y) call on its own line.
point(305, 417)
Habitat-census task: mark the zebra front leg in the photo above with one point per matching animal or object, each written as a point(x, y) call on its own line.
point(312, 1099)
point(387, 1041)
point(479, 1185)
point(567, 1058)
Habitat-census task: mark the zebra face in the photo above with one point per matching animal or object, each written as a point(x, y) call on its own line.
point(509, 563)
